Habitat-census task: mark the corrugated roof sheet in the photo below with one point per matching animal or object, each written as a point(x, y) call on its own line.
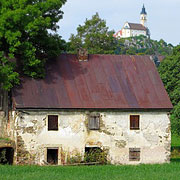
point(137, 26)
point(105, 81)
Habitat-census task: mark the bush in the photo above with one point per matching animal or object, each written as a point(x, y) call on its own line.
point(92, 155)
point(96, 155)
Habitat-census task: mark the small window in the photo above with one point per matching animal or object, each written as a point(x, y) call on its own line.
point(53, 123)
point(134, 154)
point(134, 122)
point(94, 121)
point(52, 156)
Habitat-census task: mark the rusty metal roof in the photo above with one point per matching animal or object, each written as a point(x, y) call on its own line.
point(104, 81)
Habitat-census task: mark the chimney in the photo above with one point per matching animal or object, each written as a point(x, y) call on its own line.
point(82, 54)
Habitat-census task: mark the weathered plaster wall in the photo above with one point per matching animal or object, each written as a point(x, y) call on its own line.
point(138, 32)
point(33, 138)
point(1, 123)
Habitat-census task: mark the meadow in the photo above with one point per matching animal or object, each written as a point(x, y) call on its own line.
point(106, 172)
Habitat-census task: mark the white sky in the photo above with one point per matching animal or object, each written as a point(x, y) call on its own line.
point(163, 16)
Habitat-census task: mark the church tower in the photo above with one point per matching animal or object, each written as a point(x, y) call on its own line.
point(143, 17)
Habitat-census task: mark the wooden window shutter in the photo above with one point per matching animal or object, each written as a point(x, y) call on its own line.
point(91, 122)
point(94, 122)
point(134, 122)
point(53, 123)
point(134, 154)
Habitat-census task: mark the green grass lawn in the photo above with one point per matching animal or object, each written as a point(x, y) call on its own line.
point(108, 172)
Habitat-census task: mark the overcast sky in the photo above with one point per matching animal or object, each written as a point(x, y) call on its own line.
point(163, 16)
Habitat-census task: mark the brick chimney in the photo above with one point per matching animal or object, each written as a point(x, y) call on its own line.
point(82, 54)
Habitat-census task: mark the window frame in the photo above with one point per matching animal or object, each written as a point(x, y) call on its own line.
point(53, 146)
point(134, 154)
point(98, 123)
point(48, 122)
point(130, 123)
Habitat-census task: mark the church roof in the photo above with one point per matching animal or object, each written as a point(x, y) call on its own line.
point(136, 26)
point(119, 33)
point(104, 81)
point(143, 10)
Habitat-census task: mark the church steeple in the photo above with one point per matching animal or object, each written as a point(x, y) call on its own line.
point(143, 16)
point(143, 10)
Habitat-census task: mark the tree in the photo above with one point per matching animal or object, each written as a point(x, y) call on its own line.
point(169, 70)
point(175, 120)
point(94, 36)
point(25, 37)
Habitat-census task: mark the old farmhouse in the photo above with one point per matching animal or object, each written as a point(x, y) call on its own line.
point(112, 102)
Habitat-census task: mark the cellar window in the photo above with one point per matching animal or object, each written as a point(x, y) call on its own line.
point(134, 154)
point(93, 154)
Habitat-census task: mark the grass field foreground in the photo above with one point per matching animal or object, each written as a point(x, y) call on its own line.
point(107, 172)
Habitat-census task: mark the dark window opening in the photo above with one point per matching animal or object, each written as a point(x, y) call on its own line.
point(134, 122)
point(95, 154)
point(6, 155)
point(94, 122)
point(134, 154)
point(53, 123)
point(52, 156)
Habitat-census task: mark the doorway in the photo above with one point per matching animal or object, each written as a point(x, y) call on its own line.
point(52, 156)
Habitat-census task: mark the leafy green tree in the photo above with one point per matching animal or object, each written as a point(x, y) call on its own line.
point(169, 70)
point(175, 120)
point(25, 37)
point(94, 36)
point(131, 51)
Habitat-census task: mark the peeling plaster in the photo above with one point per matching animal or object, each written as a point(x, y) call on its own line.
point(33, 138)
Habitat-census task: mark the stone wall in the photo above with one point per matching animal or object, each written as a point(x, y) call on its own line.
point(33, 138)
point(1, 123)
point(3, 112)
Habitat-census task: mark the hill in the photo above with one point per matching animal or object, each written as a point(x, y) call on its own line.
point(142, 45)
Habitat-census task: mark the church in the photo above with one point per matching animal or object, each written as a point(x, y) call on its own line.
point(135, 29)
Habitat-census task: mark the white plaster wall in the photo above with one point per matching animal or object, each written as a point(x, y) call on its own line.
point(143, 20)
point(126, 33)
point(153, 138)
point(129, 33)
point(138, 32)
